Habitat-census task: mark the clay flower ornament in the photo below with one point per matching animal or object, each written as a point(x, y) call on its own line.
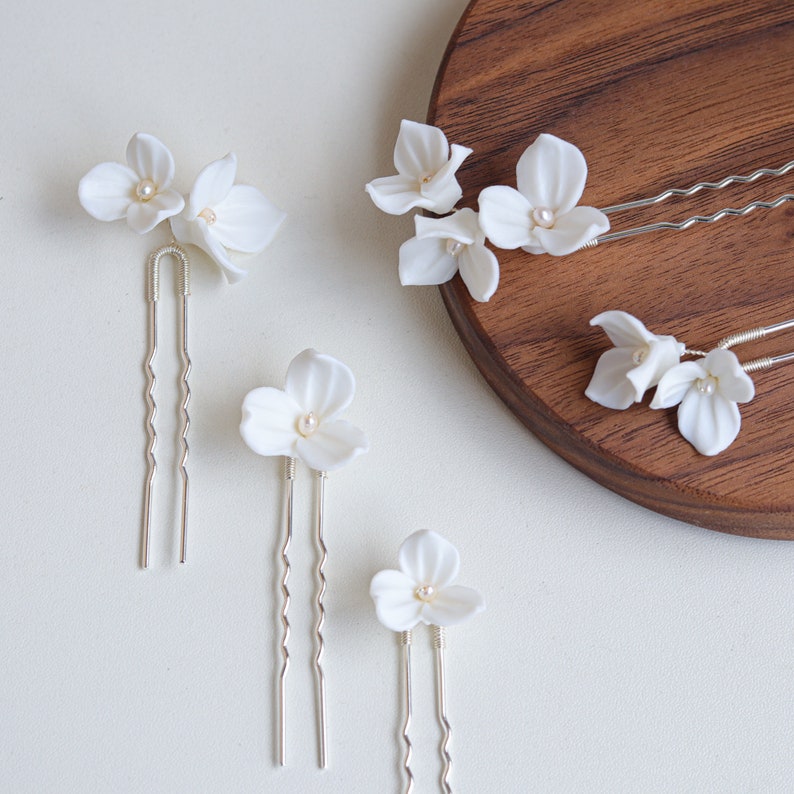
point(707, 392)
point(302, 420)
point(224, 219)
point(443, 246)
point(426, 166)
point(422, 590)
point(637, 362)
point(139, 191)
point(542, 216)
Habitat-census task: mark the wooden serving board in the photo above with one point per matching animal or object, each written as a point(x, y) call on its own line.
point(656, 95)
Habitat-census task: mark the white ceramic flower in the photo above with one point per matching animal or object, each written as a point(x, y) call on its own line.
point(542, 216)
point(636, 363)
point(422, 590)
point(426, 166)
point(302, 420)
point(138, 191)
point(708, 391)
point(222, 218)
point(443, 246)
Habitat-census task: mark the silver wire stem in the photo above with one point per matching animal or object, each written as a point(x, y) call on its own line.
point(440, 643)
point(319, 520)
point(653, 227)
point(153, 296)
point(406, 638)
point(729, 180)
point(766, 362)
point(753, 333)
point(289, 477)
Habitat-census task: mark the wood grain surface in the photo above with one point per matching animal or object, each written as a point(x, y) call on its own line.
point(656, 95)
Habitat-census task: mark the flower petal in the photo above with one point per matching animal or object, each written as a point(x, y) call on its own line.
point(245, 220)
point(572, 230)
point(396, 603)
point(426, 262)
point(461, 226)
point(505, 217)
point(551, 173)
point(394, 194)
point(623, 329)
point(609, 385)
point(212, 185)
point(429, 559)
point(443, 188)
point(107, 191)
point(420, 150)
point(708, 421)
point(270, 421)
point(662, 354)
point(143, 216)
point(734, 383)
point(479, 269)
point(332, 445)
point(453, 605)
point(196, 232)
point(320, 383)
point(150, 159)
point(676, 382)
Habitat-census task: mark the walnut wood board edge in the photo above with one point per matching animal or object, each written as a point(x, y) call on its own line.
point(656, 96)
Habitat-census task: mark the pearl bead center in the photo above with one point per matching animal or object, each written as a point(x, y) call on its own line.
point(707, 385)
point(543, 217)
point(639, 355)
point(308, 424)
point(454, 247)
point(426, 592)
point(146, 189)
point(208, 215)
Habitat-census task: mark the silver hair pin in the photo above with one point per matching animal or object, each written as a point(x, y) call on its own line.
point(541, 215)
point(219, 217)
point(707, 390)
point(420, 592)
point(301, 422)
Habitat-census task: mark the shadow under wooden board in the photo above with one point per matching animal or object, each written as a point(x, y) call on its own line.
point(656, 95)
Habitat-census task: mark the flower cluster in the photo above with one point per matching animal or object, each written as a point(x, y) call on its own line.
point(541, 216)
point(223, 219)
point(706, 390)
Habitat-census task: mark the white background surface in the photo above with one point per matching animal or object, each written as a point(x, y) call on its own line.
point(621, 651)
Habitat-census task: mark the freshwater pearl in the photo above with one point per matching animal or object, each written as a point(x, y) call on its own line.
point(209, 216)
point(543, 216)
point(426, 592)
point(146, 189)
point(307, 424)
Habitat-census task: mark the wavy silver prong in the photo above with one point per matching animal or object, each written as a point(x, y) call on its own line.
point(440, 643)
point(322, 583)
point(289, 477)
point(151, 381)
point(405, 641)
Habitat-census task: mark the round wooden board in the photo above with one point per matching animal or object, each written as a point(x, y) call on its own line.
point(656, 95)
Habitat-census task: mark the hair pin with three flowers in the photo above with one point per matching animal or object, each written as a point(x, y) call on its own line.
point(707, 390)
point(222, 218)
point(422, 591)
point(541, 215)
point(301, 422)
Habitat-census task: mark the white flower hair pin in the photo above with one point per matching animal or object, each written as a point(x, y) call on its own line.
point(422, 591)
point(301, 422)
point(541, 215)
point(707, 390)
point(218, 216)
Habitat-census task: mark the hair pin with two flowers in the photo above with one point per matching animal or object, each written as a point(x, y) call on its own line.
point(540, 215)
point(706, 389)
point(224, 219)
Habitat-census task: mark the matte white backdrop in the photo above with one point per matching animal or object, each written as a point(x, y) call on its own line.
point(621, 651)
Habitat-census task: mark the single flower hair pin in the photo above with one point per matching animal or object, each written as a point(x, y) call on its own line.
point(302, 422)
point(423, 591)
point(707, 390)
point(541, 215)
point(218, 216)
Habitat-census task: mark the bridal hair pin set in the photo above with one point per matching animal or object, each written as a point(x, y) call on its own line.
point(222, 218)
point(301, 422)
point(422, 591)
point(541, 215)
